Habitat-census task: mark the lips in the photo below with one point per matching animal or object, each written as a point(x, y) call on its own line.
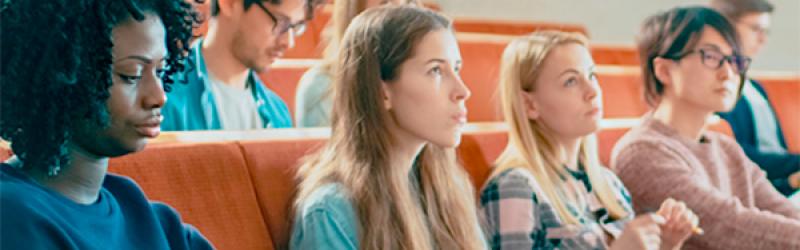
point(724, 91)
point(276, 54)
point(150, 128)
point(594, 111)
point(460, 117)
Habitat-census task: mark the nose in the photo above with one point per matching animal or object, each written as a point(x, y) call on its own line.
point(593, 90)
point(727, 71)
point(152, 94)
point(762, 38)
point(287, 38)
point(461, 92)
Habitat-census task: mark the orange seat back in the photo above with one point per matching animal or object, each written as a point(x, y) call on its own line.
point(208, 183)
point(510, 27)
point(784, 95)
point(284, 77)
point(272, 165)
point(478, 152)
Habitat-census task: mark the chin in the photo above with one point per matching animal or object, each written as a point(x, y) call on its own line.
point(127, 147)
point(724, 106)
point(449, 142)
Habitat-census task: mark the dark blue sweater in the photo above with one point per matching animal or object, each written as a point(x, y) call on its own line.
point(35, 217)
point(777, 165)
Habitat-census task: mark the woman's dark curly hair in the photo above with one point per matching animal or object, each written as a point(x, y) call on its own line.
point(56, 67)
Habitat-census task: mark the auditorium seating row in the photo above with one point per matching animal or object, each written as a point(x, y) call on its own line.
point(237, 186)
point(310, 44)
point(621, 87)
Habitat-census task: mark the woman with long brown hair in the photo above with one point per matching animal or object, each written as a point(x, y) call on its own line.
point(387, 178)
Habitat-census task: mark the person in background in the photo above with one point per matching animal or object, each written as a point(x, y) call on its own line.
point(693, 67)
point(548, 189)
point(388, 177)
point(223, 91)
point(83, 81)
point(314, 96)
point(753, 119)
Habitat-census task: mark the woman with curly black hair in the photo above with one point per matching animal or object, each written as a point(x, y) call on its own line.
point(82, 81)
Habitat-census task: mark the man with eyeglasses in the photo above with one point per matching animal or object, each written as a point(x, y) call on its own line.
point(753, 119)
point(221, 90)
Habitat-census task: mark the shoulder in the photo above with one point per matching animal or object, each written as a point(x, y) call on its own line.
point(730, 148)
point(21, 200)
point(325, 220)
point(512, 183)
point(315, 77)
point(123, 187)
point(642, 142)
point(330, 199)
point(20, 197)
point(314, 84)
point(29, 214)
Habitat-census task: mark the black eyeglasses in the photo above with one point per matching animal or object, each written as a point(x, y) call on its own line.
point(281, 26)
point(715, 59)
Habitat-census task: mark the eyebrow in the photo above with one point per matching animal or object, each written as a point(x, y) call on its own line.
point(136, 57)
point(440, 60)
point(143, 59)
point(711, 46)
point(569, 71)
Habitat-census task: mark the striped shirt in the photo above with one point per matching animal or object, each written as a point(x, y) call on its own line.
point(517, 218)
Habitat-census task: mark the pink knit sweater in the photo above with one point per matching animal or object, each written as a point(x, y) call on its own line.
point(737, 205)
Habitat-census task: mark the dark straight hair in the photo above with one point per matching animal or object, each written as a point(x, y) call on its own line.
point(673, 33)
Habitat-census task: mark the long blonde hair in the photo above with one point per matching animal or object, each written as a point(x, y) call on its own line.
point(441, 214)
point(530, 145)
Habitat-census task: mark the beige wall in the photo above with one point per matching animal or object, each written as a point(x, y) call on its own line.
point(618, 21)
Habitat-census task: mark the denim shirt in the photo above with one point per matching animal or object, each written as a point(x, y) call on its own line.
point(191, 105)
point(326, 220)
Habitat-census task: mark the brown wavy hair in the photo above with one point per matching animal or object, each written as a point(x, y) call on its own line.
point(441, 214)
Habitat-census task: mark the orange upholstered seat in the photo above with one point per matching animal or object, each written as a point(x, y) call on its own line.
point(208, 183)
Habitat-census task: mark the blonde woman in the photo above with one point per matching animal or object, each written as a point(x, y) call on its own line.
point(693, 66)
point(387, 178)
point(314, 96)
point(548, 189)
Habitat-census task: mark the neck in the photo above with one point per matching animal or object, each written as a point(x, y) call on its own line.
point(569, 150)
point(684, 118)
point(404, 154)
point(224, 66)
point(81, 180)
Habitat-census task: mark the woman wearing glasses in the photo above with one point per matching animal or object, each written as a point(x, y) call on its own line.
point(223, 91)
point(314, 98)
point(692, 68)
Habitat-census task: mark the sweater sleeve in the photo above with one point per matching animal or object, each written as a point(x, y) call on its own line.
point(180, 235)
point(654, 173)
point(510, 204)
point(779, 166)
point(767, 197)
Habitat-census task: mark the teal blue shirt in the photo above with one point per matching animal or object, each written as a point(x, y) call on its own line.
point(191, 105)
point(326, 220)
